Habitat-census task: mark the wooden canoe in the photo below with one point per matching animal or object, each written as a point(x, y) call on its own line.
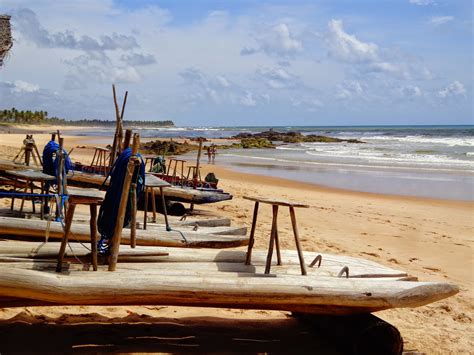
point(10, 226)
point(174, 193)
point(208, 278)
point(323, 295)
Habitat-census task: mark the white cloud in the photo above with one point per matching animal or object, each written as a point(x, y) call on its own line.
point(124, 75)
point(422, 2)
point(276, 40)
point(278, 78)
point(222, 81)
point(452, 90)
point(410, 91)
point(349, 90)
point(23, 86)
point(248, 99)
point(28, 25)
point(349, 48)
point(138, 59)
point(310, 104)
point(440, 20)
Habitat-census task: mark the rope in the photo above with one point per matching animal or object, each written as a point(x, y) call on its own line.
point(25, 194)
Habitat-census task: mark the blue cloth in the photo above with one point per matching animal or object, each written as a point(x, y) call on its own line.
point(50, 164)
point(109, 209)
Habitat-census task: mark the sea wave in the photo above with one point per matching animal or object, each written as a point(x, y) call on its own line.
point(449, 141)
point(362, 165)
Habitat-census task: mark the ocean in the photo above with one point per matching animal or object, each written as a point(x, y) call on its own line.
point(426, 161)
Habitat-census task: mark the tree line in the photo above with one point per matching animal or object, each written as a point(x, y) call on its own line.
point(20, 116)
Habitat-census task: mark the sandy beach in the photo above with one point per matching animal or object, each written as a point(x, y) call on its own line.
point(431, 239)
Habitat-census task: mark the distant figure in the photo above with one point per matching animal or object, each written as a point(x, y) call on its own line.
point(213, 152)
point(209, 153)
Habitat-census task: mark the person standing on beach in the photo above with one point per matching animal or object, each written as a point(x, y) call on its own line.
point(209, 153)
point(213, 151)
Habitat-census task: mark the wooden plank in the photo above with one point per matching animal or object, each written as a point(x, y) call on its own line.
point(276, 202)
point(206, 230)
point(211, 222)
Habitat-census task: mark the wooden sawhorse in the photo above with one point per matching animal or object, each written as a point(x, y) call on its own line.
point(151, 181)
point(90, 197)
point(274, 233)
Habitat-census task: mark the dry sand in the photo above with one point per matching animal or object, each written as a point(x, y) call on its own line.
point(429, 238)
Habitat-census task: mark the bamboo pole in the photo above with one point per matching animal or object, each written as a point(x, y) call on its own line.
point(123, 205)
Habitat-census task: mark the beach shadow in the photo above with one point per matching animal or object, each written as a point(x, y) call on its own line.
point(140, 333)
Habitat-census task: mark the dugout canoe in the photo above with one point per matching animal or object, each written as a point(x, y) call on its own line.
point(173, 193)
point(208, 278)
point(184, 237)
point(150, 286)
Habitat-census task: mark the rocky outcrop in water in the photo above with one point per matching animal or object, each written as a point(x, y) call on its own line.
point(292, 137)
point(167, 147)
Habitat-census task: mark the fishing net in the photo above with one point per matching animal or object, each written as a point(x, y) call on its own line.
point(5, 37)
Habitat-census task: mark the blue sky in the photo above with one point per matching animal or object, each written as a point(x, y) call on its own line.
point(244, 62)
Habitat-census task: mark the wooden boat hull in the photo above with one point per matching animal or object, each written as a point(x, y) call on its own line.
point(174, 193)
point(207, 278)
point(11, 226)
point(305, 294)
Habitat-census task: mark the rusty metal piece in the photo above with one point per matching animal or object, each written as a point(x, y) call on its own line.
point(317, 259)
point(344, 270)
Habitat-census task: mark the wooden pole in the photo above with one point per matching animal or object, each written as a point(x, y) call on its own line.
point(67, 230)
point(38, 153)
point(59, 176)
point(196, 172)
point(113, 154)
point(272, 239)
point(128, 137)
point(116, 238)
point(297, 240)
point(198, 160)
point(133, 222)
point(248, 260)
point(120, 132)
point(93, 228)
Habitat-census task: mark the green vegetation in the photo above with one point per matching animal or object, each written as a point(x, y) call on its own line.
point(41, 117)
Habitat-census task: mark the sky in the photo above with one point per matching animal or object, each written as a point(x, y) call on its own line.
point(244, 63)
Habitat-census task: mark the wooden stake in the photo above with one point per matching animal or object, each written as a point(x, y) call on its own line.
point(248, 260)
point(297, 240)
point(93, 227)
point(123, 205)
point(133, 222)
point(113, 154)
point(198, 160)
point(272, 240)
point(67, 229)
point(128, 137)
